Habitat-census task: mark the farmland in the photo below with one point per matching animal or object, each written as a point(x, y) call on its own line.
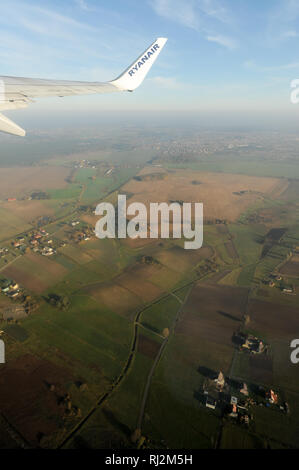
point(120, 337)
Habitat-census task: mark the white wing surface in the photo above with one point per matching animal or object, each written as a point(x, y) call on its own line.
point(16, 92)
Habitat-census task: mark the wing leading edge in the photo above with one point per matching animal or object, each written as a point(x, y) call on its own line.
point(17, 92)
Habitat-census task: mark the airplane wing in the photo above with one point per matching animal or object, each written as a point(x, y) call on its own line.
point(17, 93)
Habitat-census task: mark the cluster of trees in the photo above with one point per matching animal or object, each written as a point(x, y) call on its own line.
point(40, 195)
point(151, 177)
point(62, 302)
point(143, 259)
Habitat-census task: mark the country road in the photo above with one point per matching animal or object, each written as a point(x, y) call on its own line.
point(11, 262)
point(156, 361)
point(126, 367)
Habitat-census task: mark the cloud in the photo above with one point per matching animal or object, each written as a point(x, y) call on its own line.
point(250, 64)
point(83, 5)
point(290, 34)
point(63, 19)
point(215, 10)
point(199, 15)
point(191, 13)
point(224, 41)
point(282, 21)
point(43, 21)
point(178, 11)
point(44, 41)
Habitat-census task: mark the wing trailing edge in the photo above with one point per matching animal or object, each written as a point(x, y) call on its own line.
point(8, 126)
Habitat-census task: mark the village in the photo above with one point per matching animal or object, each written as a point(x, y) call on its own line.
point(235, 400)
point(277, 280)
point(39, 241)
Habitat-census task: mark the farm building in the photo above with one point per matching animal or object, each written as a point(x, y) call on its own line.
point(211, 403)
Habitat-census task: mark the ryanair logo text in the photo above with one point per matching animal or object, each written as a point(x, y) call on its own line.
point(143, 60)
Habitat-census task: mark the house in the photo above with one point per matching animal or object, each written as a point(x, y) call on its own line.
point(211, 403)
point(253, 345)
point(273, 397)
point(244, 390)
point(220, 381)
point(234, 401)
point(234, 412)
point(288, 290)
point(245, 419)
point(13, 294)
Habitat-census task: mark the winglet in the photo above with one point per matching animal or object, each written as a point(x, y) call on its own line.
point(6, 125)
point(136, 73)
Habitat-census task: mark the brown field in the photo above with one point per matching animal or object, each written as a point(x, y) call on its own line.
point(25, 398)
point(115, 297)
point(279, 325)
point(274, 320)
point(15, 182)
point(89, 219)
point(148, 346)
point(166, 278)
point(128, 291)
point(263, 293)
point(291, 268)
point(136, 279)
point(76, 254)
point(280, 189)
point(179, 259)
point(261, 369)
point(35, 272)
point(216, 191)
point(211, 316)
point(138, 243)
point(28, 210)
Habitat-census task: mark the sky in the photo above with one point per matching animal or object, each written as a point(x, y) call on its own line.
point(221, 56)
